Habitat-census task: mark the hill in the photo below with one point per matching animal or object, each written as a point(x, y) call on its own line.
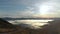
point(52, 28)
point(8, 28)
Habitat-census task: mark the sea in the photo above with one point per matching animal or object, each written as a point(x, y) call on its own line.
point(30, 23)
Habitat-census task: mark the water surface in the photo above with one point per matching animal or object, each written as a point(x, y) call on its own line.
point(30, 23)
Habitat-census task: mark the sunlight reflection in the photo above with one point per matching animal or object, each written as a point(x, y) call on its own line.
point(33, 23)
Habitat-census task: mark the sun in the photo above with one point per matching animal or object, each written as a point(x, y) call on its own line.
point(44, 9)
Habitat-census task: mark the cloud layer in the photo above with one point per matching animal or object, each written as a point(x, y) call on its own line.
point(29, 8)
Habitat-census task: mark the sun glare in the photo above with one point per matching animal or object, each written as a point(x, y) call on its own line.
point(44, 9)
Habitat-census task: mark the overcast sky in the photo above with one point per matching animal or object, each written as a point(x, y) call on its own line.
point(29, 8)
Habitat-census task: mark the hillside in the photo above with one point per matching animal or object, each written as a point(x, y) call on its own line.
point(52, 28)
point(8, 28)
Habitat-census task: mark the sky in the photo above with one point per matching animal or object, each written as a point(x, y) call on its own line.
point(30, 8)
